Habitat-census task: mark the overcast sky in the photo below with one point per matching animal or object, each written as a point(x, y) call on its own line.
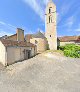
point(30, 15)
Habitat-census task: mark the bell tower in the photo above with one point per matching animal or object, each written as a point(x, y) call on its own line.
point(50, 25)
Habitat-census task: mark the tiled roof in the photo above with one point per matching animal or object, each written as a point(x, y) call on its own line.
point(11, 36)
point(8, 43)
point(69, 38)
point(7, 37)
point(4, 37)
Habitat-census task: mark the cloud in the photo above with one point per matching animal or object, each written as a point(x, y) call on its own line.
point(38, 6)
point(78, 29)
point(2, 23)
point(45, 1)
point(65, 9)
point(7, 25)
point(70, 21)
point(6, 29)
point(27, 30)
point(2, 33)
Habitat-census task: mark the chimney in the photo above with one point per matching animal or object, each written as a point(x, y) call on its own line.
point(20, 34)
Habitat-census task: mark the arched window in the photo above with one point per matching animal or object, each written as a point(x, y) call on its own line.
point(50, 19)
point(49, 10)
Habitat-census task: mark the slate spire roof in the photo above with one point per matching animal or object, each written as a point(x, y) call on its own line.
point(39, 34)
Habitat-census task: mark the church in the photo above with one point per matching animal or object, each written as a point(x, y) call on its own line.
point(49, 39)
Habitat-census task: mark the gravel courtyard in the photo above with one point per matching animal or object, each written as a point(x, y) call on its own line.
point(42, 74)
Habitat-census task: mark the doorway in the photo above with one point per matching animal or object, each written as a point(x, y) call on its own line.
point(27, 54)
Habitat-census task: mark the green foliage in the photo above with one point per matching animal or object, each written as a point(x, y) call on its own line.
point(71, 50)
point(61, 48)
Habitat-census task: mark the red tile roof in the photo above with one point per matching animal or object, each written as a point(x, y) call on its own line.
point(69, 38)
point(8, 43)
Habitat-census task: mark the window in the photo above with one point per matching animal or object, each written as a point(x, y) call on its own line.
point(50, 19)
point(49, 10)
point(50, 35)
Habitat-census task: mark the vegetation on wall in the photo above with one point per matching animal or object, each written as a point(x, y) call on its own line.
point(71, 50)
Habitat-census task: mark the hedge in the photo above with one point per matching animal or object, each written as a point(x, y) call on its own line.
point(71, 50)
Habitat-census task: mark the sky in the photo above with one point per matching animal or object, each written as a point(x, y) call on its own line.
point(30, 16)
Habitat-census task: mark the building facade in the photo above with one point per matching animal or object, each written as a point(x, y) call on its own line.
point(14, 48)
point(69, 40)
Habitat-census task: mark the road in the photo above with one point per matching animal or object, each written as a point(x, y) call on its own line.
point(42, 74)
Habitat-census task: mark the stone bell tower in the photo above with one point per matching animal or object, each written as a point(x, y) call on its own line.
point(50, 25)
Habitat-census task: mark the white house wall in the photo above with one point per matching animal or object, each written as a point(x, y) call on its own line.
point(2, 54)
point(17, 53)
point(64, 43)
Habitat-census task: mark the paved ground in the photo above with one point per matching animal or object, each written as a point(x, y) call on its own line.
point(42, 74)
point(1, 67)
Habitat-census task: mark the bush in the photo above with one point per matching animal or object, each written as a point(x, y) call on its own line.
point(61, 48)
point(71, 50)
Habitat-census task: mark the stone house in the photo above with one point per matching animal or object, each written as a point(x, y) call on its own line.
point(14, 48)
point(69, 40)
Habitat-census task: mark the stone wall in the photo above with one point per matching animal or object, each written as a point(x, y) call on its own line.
point(40, 43)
